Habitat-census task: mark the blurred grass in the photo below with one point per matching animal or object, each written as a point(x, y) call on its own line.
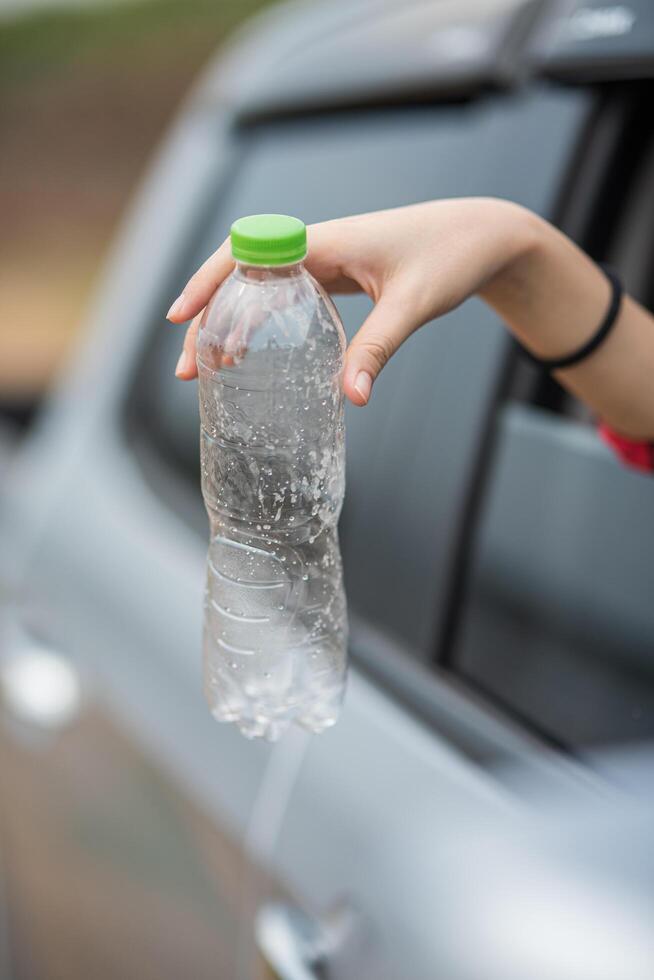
point(85, 93)
point(48, 40)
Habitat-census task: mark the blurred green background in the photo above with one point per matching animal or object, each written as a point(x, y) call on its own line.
point(86, 90)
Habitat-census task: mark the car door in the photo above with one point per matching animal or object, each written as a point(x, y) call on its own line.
point(362, 846)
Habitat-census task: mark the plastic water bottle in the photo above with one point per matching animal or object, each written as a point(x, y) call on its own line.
point(270, 358)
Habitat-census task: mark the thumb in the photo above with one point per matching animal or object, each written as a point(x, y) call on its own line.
point(387, 327)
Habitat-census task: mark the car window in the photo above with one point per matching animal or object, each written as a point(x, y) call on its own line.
point(559, 620)
point(411, 452)
point(558, 624)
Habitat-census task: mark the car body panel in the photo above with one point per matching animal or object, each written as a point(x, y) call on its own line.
point(105, 552)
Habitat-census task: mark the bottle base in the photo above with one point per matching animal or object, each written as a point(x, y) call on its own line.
point(257, 722)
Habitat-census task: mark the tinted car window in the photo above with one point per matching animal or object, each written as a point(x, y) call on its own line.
point(559, 621)
point(411, 453)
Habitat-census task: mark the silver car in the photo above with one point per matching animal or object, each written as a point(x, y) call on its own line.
point(483, 809)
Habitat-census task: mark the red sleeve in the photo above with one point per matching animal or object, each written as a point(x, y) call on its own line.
point(639, 455)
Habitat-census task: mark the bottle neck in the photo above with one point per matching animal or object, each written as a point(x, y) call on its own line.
point(264, 273)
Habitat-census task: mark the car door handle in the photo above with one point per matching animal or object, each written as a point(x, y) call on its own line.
point(296, 946)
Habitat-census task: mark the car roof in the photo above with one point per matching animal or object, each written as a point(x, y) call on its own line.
point(300, 57)
point(592, 41)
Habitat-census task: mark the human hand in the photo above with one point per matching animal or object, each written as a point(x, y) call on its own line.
point(415, 263)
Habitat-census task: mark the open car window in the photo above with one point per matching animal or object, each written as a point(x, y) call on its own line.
point(412, 451)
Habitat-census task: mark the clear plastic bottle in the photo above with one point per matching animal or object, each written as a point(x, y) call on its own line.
point(270, 357)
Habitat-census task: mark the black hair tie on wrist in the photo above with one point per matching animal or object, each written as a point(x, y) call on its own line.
point(605, 327)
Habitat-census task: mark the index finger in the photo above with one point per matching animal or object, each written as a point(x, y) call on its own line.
point(202, 285)
point(328, 256)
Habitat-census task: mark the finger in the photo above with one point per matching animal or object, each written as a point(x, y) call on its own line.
point(201, 286)
point(187, 368)
point(329, 256)
point(247, 324)
point(387, 327)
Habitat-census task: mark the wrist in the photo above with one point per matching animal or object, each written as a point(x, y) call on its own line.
point(550, 294)
point(521, 242)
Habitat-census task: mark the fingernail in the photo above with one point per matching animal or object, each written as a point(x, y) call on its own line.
point(182, 364)
point(363, 384)
point(177, 307)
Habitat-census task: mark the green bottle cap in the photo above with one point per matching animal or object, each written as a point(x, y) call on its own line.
point(269, 239)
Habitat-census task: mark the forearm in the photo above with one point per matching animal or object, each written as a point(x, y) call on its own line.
point(553, 298)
